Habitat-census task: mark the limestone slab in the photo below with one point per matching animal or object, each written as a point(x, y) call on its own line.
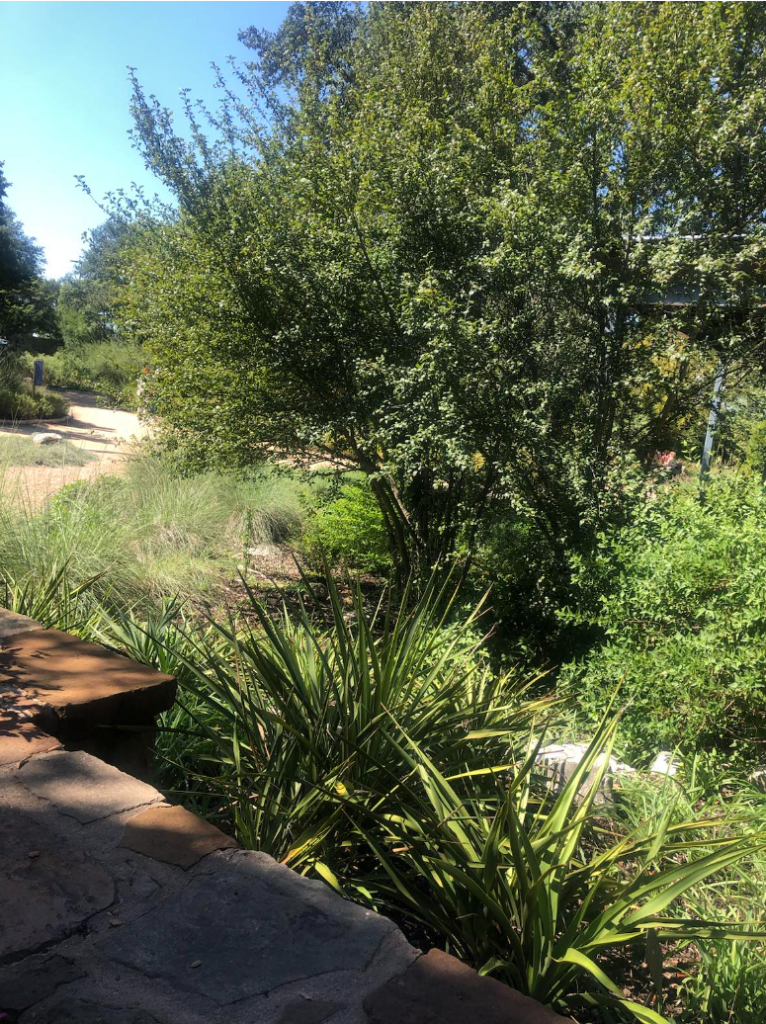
point(12, 623)
point(174, 835)
point(26, 983)
point(84, 1011)
point(21, 738)
point(47, 889)
point(439, 989)
point(84, 684)
point(246, 928)
point(308, 1011)
point(83, 787)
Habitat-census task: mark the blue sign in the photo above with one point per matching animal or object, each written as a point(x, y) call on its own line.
point(38, 372)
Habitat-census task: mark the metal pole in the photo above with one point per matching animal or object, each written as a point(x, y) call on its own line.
point(712, 423)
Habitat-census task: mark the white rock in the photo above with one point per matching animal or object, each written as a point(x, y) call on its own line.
point(758, 779)
point(49, 437)
point(664, 764)
point(560, 761)
point(263, 551)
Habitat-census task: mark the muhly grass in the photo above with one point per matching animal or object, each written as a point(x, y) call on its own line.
point(151, 533)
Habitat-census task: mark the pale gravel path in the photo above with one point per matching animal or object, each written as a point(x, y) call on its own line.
point(110, 434)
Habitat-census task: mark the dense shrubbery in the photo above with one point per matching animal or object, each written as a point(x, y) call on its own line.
point(23, 405)
point(347, 529)
point(16, 399)
point(679, 597)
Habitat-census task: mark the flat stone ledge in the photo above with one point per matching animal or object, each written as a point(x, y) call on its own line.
point(84, 1011)
point(174, 835)
point(48, 889)
point(12, 623)
point(34, 979)
point(439, 989)
point(247, 928)
point(84, 685)
point(20, 738)
point(308, 1011)
point(83, 787)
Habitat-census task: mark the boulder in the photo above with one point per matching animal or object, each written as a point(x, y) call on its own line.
point(47, 437)
point(665, 763)
point(560, 761)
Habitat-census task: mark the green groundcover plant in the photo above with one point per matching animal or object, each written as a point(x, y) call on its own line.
point(348, 529)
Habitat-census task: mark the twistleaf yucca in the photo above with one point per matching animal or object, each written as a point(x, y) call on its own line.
point(381, 753)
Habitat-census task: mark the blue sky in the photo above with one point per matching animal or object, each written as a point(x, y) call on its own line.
point(64, 97)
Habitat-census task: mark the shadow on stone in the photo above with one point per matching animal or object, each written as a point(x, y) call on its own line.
point(48, 889)
point(438, 989)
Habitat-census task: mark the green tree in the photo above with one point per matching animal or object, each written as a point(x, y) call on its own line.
point(446, 242)
point(89, 296)
point(26, 300)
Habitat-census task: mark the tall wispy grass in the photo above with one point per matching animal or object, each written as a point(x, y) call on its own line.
point(20, 450)
point(715, 980)
point(148, 534)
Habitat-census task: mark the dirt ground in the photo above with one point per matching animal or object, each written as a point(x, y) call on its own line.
point(110, 435)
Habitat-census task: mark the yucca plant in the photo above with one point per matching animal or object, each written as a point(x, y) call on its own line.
point(298, 713)
point(52, 601)
point(534, 888)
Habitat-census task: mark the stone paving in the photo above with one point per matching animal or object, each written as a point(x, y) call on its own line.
point(118, 908)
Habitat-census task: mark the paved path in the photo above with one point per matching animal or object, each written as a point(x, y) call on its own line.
point(104, 933)
point(109, 434)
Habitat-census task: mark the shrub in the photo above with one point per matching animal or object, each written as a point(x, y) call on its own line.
point(528, 585)
point(16, 399)
point(12, 370)
point(677, 596)
point(756, 449)
point(110, 368)
point(348, 529)
point(23, 405)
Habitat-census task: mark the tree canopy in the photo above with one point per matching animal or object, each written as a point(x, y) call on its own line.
point(26, 299)
point(482, 251)
point(89, 296)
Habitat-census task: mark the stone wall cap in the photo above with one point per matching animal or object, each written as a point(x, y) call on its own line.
point(440, 989)
point(84, 684)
